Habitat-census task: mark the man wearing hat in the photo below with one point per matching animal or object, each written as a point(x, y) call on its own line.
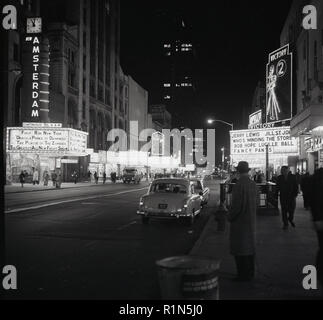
point(242, 218)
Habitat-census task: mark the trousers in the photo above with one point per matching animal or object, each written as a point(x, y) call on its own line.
point(288, 208)
point(245, 266)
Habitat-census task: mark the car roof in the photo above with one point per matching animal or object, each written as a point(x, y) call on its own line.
point(172, 180)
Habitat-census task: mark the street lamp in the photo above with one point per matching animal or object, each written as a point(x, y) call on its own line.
point(210, 121)
point(222, 149)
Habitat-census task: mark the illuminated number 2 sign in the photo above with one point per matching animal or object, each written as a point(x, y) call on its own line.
point(279, 85)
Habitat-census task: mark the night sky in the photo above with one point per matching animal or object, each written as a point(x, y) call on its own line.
point(232, 40)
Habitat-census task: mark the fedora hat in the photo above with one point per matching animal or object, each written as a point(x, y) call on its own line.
point(243, 167)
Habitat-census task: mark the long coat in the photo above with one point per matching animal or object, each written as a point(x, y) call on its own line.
point(242, 217)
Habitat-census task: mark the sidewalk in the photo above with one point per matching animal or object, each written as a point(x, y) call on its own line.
point(281, 256)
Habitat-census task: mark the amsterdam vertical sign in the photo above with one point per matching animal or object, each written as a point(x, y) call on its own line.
point(279, 85)
point(36, 73)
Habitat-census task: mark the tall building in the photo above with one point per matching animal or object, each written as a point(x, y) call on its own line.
point(178, 83)
point(83, 78)
point(86, 80)
point(307, 122)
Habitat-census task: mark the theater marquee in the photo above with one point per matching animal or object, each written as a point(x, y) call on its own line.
point(62, 141)
point(250, 145)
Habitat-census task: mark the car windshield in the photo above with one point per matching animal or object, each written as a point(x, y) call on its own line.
point(164, 187)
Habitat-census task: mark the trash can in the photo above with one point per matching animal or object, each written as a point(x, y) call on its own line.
point(188, 278)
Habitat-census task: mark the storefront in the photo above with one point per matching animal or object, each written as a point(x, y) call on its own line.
point(308, 126)
point(45, 147)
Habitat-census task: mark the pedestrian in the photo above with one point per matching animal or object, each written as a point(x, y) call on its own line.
point(298, 178)
point(46, 178)
point(96, 177)
point(59, 180)
point(242, 218)
point(75, 176)
point(54, 178)
point(306, 189)
point(22, 178)
point(288, 190)
point(316, 205)
point(35, 177)
point(114, 177)
point(104, 177)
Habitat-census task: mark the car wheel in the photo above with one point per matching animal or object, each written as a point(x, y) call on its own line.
point(145, 220)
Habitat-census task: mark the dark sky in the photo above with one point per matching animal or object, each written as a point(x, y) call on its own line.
point(232, 39)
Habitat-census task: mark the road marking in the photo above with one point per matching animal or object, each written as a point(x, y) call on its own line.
point(127, 225)
point(72, 200)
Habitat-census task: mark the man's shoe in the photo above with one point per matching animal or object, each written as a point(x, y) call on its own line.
point(292, 224)
point(285, 226)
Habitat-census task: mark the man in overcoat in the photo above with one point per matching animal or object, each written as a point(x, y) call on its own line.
point(242, 218)
point(288, 190)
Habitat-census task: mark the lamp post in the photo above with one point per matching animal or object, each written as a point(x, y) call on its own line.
point(210, 121)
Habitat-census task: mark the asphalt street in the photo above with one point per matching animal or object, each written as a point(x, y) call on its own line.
point(88, 243)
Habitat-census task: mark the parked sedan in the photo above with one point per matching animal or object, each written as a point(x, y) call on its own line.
point(200, 189)
point(170, 198)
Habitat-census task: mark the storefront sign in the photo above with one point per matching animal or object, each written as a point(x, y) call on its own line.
point(321, 158)
point(254, 142)
point(313, 144)
point(41, 125)
point(279, 85)
point(74, 161)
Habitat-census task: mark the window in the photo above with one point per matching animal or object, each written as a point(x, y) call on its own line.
point(315, 67)
point(16, 52)
point(166, 85)
point(84, 16)
point(166, 97)
point(71, 78)
point(163, 187)
point(92, 88)
point(84, 110)
point(167, 45)
point(84, 40)
point(84, 85)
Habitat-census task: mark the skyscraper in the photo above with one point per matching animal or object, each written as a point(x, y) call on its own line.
point(178, 83)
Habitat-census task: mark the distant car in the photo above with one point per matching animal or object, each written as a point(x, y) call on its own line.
point(131, 175)
point(170, 198)
point(201, 190)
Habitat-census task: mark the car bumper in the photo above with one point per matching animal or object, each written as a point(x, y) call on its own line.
point(163, 215)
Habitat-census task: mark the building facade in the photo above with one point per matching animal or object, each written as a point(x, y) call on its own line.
point(307, 122)
point(86, 87)
point(178, 80)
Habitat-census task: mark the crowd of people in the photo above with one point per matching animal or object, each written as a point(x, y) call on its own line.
point(242, 213)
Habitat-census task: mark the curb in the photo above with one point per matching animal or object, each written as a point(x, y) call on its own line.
point(204, 233)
